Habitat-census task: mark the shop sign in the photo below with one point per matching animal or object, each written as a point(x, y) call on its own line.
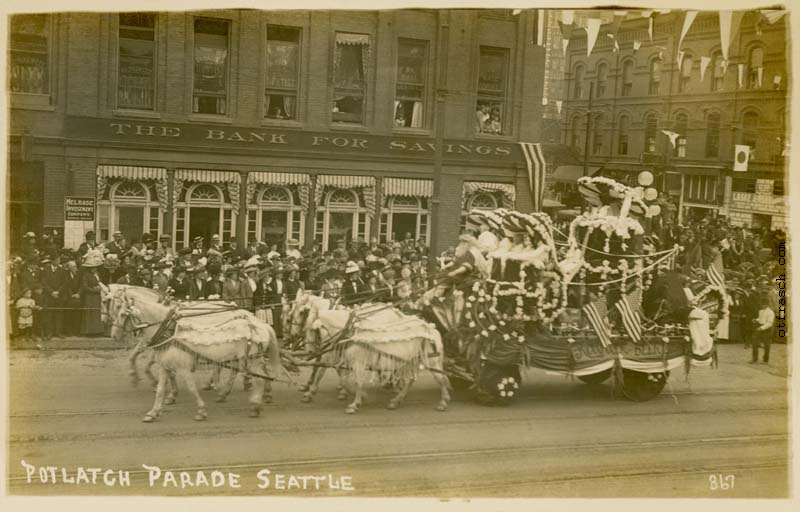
point(79, 208)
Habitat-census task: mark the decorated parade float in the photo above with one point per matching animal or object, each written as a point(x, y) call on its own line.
point(604, 305)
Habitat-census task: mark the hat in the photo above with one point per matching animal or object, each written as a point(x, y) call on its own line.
point(164, 236)
point(93, 258)
point(46, 259)
point(231, 269)
point(215, 237)
point(197, 239)
point(89, 234)
point(112, 260)
point(30, 234)
point(147, 237)
point(351, 268)
point(145, 270)
point(117, 233)
point(292, 242)
point(467, 238)
point(189, 270)
point(184, 251)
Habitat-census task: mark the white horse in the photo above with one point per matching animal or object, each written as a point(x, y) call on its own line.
point(221, 335)
point(380, 340)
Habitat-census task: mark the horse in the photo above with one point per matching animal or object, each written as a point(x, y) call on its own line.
point(198, 336)
point(372, 345)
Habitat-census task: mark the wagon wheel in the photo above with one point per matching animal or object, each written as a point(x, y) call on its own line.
point(596, 378)
point(498, 385)
point(640, 386)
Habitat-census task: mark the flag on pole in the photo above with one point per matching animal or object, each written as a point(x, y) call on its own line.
point(741, 158)
point(534, 160)
point(704, 62)
point(597, 314)
point(687, 23)
point(631, 321)
point(592, 30)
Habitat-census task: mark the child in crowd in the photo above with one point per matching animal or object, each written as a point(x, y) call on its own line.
point(25, 308)
point(763, 330)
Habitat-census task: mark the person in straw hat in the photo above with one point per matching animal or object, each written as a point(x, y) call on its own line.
point(292, 250)
point(92, 294)
point(351, 289)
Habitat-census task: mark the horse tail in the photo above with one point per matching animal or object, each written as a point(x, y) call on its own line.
point(274, 351)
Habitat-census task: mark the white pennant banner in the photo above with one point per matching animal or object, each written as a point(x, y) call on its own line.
point(637, 45)
point(687, 23)
point(679, 59)
point(650, 29)
point(777, 80)
point(558, 105)
point(567, 17)
point(741, 74)
point(544, 101)
point(729, 22)
point(704, 62)
point(564, 44)
point(760, 76)
point(592, 29)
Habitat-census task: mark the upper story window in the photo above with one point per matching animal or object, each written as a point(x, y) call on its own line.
point(412, 65)
point(577, 87)
point(755, 68)
point(602, 80)
point(576, 133)
point(350, 66)
point(622, 142)
point(210, 66)
point(750, 132)
point(283, 56)
point(717, 72)
point(712, 134)
point(627, 78)
point(655, 77)
point(746, 185)
point(650, 132)
point(598, 131)
point(137, 53)
point(681, 127)
point(492, 78)
point(686, 74)
point(29, 66)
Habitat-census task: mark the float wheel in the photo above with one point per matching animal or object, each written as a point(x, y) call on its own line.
point(640, 386)
point(596, 378)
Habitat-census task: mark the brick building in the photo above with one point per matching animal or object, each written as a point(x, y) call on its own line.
point(310, 125)
point(643, 89)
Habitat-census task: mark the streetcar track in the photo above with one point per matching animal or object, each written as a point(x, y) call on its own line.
point(330, 463)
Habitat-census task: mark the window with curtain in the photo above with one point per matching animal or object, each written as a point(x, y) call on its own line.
point(650, 133)
point(350, 66)
point(655, 77)
point(712, 134)
point(597, 134)
point(681, 128)
point(577, 86)
point(412, 66)
point(627, 78)
point(283, 55)
point(29, 63)
point(576, 133)
point(622, 140)
point(210, 66)
point(137, 53)
point(755, 63)
point(686, 73)
point(492, 78)
point(717, 72)
point(700, 189)
point(602, 80)
point(750, 132)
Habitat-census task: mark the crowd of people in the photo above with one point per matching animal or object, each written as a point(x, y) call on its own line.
point(55, 292)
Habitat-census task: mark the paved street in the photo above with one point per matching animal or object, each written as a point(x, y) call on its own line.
point(563, 438)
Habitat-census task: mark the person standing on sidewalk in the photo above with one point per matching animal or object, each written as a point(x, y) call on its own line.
point(763, 330)
point(52, 281)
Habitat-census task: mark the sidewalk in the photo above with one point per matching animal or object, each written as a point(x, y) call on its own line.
point(70, 343)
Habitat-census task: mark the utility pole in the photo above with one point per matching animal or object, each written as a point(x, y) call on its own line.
point(588, 127)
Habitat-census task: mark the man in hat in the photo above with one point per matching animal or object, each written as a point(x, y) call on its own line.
point(213, 284)
point(275, 293)
point(162, 276)
point(52, 282)
point(117, 246)
point(353, 287)
point(180, 284)
point(292, 249)
point(197, 282)
point(29, 248)
point(70, 293)
point(330, 286)
point(236, 253)
point(90, 243)
point(164, 249)
point(197, 249)
point(216, 244)
point(91, 294)
point(146, 277)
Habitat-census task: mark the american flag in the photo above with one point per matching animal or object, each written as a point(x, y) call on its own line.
point(631, 320)
point(597, 313)
point(715, 272)
point(536, 169)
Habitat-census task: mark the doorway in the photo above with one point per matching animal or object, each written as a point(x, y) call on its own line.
point(340, 228)
point(403, 223)
point(130, 220)
point(273, 228)
point(203, 222)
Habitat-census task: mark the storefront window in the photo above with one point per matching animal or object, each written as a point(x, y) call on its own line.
point(29, 63)
point(350, 66)
point(136, 60)
point(283, 55)
point(412, 61)
point(490, 107)
point(210, 66)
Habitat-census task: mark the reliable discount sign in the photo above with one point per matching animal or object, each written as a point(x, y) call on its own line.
point(79, 208)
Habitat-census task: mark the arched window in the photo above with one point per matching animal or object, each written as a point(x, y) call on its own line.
point(342, 198)
point(275, 196)
point(627, 78)
point(686, 73)
point(405, 216)
point(132, 208)
point(205, 193)
point(717, 72)
point(576, 133)
point(130, 190)
point(597, 135)
point(655, 77)
point(650, 131)
point(622, 138)
point(712, 134)
point(681, 128)
point(755, 68)
point(750, 131)
point(275, 216)
point(482, 201)
point(341, 217)
point(577, 87)
point(602, 79)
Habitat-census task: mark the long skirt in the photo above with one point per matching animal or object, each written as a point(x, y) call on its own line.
point(90, 318)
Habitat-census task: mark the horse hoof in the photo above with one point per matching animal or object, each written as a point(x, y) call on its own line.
point(200, 416)
point(255, 412)
point(148, 419)
point(341, 396)
point(391, 406)
point(306, 399)
point(441, 407)
point(221, 398)
point(267, 399)
point(351, 410)
point(169, 400)
point(207, 387)
point(303, 388)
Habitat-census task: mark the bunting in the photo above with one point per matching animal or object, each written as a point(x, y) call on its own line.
point(672, 136)
point(558, 105)
point(704, 62)
point(631, 321)
point(679, 59)
point(614, 39)
point(597, 314)
point(760, 71)
point(729, 22)
point(772, 15)
point(687, 23)
point(741, 74)
point(534, 160)
point(592, 30)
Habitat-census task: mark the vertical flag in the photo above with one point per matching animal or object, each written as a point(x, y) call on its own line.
point(631, 321)
point(592, 30)
point(597, 314)
point(741, 158)
point(679, 60)
point(704, 62)
point(534, 159)
point(777, 81)
point(672, 136)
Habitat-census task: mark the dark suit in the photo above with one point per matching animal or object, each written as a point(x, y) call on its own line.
point(274, 292)
point(180, 287)
point(352, 291)
point(213, 286)
point(196, 288)
point(52, 279)
point(115, 248)
point(71, 285)
point(131, 281)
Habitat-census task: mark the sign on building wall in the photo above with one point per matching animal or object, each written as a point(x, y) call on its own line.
point(79, 215)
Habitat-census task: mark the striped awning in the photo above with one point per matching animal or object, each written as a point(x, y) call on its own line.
point(508, 190)
point(131, 172)
point(345, 181)
point(407, 187)
point(279, 178)
point(206, 176)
